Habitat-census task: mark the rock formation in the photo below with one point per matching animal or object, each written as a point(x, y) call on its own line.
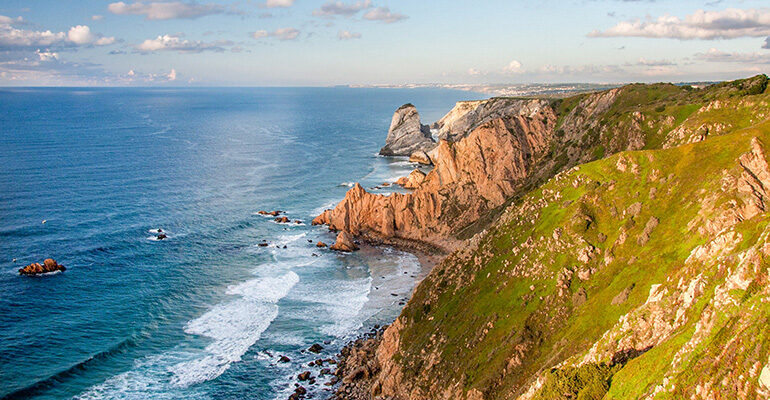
point(344, 243)
point(407, 134)
point(469, 178)
point(468, 115)
point(49, 265)
point(413, 180)
point(420, 157)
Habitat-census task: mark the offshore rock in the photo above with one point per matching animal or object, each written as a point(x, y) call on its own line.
point(406, 134)
point(49, 265)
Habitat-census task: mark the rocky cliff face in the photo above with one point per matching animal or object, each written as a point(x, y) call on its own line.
point(641, 275)
point(470, 177)
point(602, 284)
point(407, 134)
point(467, 115)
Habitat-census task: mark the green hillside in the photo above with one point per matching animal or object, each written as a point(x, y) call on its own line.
point(643, 272)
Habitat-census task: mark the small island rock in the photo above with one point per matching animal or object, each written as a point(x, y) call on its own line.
point(49, 265)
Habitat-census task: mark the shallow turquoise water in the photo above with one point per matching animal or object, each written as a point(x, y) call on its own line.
point(205, 313)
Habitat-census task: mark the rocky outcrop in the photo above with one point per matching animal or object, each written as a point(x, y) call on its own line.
point(344, 243)
point(413, 180)
point(420, 157)
point(49, 265)
point(270, 213)
point(468, 115)
point(469, 178)
point(407, 134)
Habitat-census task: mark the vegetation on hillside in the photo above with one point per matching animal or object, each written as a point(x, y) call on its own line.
point(643, 273)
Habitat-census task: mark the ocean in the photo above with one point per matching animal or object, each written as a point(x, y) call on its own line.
point(88, 176)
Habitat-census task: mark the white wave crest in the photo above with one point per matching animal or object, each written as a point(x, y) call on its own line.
point(235, 326)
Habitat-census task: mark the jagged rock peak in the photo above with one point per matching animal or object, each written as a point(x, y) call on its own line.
point(468, 115)
point(407, 134)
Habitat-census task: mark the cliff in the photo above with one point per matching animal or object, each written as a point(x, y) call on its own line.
point(469, 178)
point(619, 250)
point(526, 141)
point(467, 115)
point(407, 134)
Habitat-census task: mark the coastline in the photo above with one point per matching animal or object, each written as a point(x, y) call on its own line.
point(356, 363)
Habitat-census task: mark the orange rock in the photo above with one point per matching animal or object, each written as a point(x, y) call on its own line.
point(49, 265)
point(322, 219)
point(320, 244)
point(413, 181)
point(469, 178)
point(344, 243)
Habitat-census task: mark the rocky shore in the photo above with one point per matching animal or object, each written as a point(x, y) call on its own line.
point(357, 366)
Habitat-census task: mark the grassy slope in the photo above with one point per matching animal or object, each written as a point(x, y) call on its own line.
point(478, 313)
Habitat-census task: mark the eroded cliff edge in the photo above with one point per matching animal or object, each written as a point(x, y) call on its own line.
point(641, 275)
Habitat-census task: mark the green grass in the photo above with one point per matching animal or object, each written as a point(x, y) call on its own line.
point(473, 317)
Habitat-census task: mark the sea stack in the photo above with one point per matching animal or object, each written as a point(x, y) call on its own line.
point(407, 134)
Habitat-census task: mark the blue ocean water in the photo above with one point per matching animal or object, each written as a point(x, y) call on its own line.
point(206, 313)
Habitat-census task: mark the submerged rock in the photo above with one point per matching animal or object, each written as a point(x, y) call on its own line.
point(49, 265)
point(344, 242)
point(406, 134)
point(271, 213)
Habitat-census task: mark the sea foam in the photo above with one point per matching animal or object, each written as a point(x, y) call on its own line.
point(235, 326)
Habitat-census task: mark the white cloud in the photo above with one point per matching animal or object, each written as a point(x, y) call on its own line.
point(346, 35)
point(133, 76)
point(332, 8)
point(714, 55)
point(278, 3)
point(280, 34)
point(726, 24)
point(473, 71)
point(80, 34)
point(653, 63)
point(104, 41)
point(47, 55)
point(384, 14)
point(513, 67)
point(767, 43)
point(97, 17)
point(13, 37)
point(165, 10)
point(175, 43)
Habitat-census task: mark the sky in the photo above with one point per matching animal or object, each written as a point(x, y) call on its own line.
point(369, 42)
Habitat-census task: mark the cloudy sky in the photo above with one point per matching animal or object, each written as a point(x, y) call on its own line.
point(317, 43)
